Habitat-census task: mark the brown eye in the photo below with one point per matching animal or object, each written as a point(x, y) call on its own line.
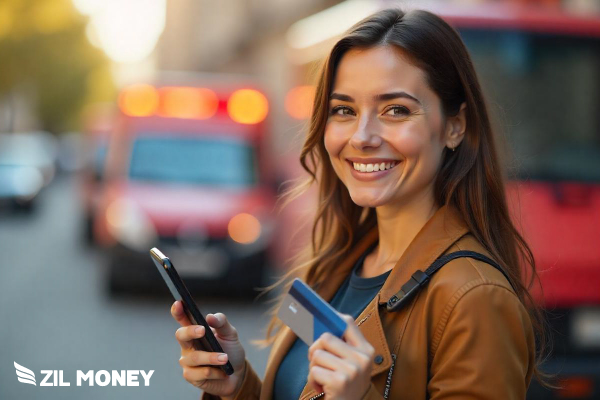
point(397, 111)
point(342, 110)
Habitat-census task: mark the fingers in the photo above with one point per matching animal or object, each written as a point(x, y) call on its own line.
point(313, 375)
point(356, 347)
point(202, 358)
point(331, 344)
point(319, 376)
point(329, 361)
point(179, 315)
point(185, 334)
point(221, 326)
point(353, 335)
point(198, 374)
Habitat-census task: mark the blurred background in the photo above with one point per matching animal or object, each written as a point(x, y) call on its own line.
point(128, 124)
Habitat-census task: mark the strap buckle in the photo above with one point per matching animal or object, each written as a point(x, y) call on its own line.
point(408, 290)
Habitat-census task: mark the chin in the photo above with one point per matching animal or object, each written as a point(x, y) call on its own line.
point(367, 200)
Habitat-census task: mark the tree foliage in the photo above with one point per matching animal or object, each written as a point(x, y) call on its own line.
point(44, 48)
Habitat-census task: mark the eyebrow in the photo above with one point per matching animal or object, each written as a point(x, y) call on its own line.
point(379, 97)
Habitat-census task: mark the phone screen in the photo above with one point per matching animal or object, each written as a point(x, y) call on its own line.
point(180, 292)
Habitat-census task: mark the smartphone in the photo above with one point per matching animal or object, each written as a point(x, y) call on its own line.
point(180, 292)
point(308, 315)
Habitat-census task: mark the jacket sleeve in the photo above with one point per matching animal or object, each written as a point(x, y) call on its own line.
point(250, 389)
point(483, 347)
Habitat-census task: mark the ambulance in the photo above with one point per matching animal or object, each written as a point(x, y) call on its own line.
point(188, 170)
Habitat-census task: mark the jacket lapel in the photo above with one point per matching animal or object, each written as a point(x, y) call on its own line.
point(444, 228)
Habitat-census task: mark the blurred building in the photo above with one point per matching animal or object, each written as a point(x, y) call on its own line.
point(237, 36)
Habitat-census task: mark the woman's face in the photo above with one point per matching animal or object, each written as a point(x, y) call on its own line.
point(383, 114)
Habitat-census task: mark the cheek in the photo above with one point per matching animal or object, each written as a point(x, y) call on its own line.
point(409, 142)
point(334, 141)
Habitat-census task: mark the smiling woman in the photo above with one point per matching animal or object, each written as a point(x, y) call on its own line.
point(373, 114)
point(401, 148)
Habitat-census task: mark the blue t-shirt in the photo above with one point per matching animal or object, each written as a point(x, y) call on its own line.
point(351, 298)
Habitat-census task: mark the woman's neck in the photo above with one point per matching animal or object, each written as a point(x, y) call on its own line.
point(398, 226)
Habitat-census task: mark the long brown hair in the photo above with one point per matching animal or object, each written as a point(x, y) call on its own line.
point(470, 179)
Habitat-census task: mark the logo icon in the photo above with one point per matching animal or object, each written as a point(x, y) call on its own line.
point(25, 375)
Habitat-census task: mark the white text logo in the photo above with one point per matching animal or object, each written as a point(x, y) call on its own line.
point(99, 378)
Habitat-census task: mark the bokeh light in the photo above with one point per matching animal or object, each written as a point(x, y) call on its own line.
point(187, 102)
point(299, 101)
point(127, 30)
point(244, 228)
point(248, 106)
point(139, 100)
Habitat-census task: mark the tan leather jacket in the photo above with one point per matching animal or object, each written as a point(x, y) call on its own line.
point(465, 336)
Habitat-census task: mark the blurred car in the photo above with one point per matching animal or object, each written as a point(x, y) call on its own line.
point(188, 171)
point(99, 122)
point(70, 152)
point(27, 164)
point(540, 70)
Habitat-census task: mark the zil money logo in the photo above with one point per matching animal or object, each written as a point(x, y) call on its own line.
point(100, 378)
point(25, 375)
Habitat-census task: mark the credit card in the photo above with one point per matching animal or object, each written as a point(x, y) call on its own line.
point(308, 315)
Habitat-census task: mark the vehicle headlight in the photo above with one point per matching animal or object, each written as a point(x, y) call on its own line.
point(27, 182)
point(248, 232)
point(585, 328)
point(244, 228)
point(128, 223)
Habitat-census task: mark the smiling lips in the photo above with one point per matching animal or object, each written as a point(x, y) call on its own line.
point(368, 169)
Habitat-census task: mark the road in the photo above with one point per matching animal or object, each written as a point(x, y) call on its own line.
point(56, 315)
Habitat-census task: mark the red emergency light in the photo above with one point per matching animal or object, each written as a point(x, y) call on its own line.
point(245, 106)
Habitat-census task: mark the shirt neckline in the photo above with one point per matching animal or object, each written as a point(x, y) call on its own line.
point(358, 282)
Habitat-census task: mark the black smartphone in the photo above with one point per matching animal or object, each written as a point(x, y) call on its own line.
point(180, 292)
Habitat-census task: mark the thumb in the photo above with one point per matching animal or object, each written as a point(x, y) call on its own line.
point(353, 335)
point(222, 327)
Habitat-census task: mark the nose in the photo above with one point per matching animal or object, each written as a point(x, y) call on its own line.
point(366, 134)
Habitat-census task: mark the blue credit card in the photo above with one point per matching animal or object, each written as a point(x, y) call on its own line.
point(308, 315)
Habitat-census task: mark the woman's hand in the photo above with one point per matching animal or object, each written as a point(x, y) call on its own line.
point(196, 365)
point(341, 369)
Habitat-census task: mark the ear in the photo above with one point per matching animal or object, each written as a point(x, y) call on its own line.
point(455, 127)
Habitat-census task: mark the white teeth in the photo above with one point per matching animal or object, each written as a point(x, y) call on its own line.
point(374, 167)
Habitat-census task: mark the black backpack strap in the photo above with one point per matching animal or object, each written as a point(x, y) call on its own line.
point(420, 278)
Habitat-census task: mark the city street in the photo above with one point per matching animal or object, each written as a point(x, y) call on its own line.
point(55, 313)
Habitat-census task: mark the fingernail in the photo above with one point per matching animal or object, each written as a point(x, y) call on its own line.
point(199, 330)
point(222, 357)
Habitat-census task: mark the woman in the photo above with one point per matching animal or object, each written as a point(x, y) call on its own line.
point(401, 147)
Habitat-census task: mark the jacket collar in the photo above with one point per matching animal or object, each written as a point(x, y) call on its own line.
point(444, 228)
